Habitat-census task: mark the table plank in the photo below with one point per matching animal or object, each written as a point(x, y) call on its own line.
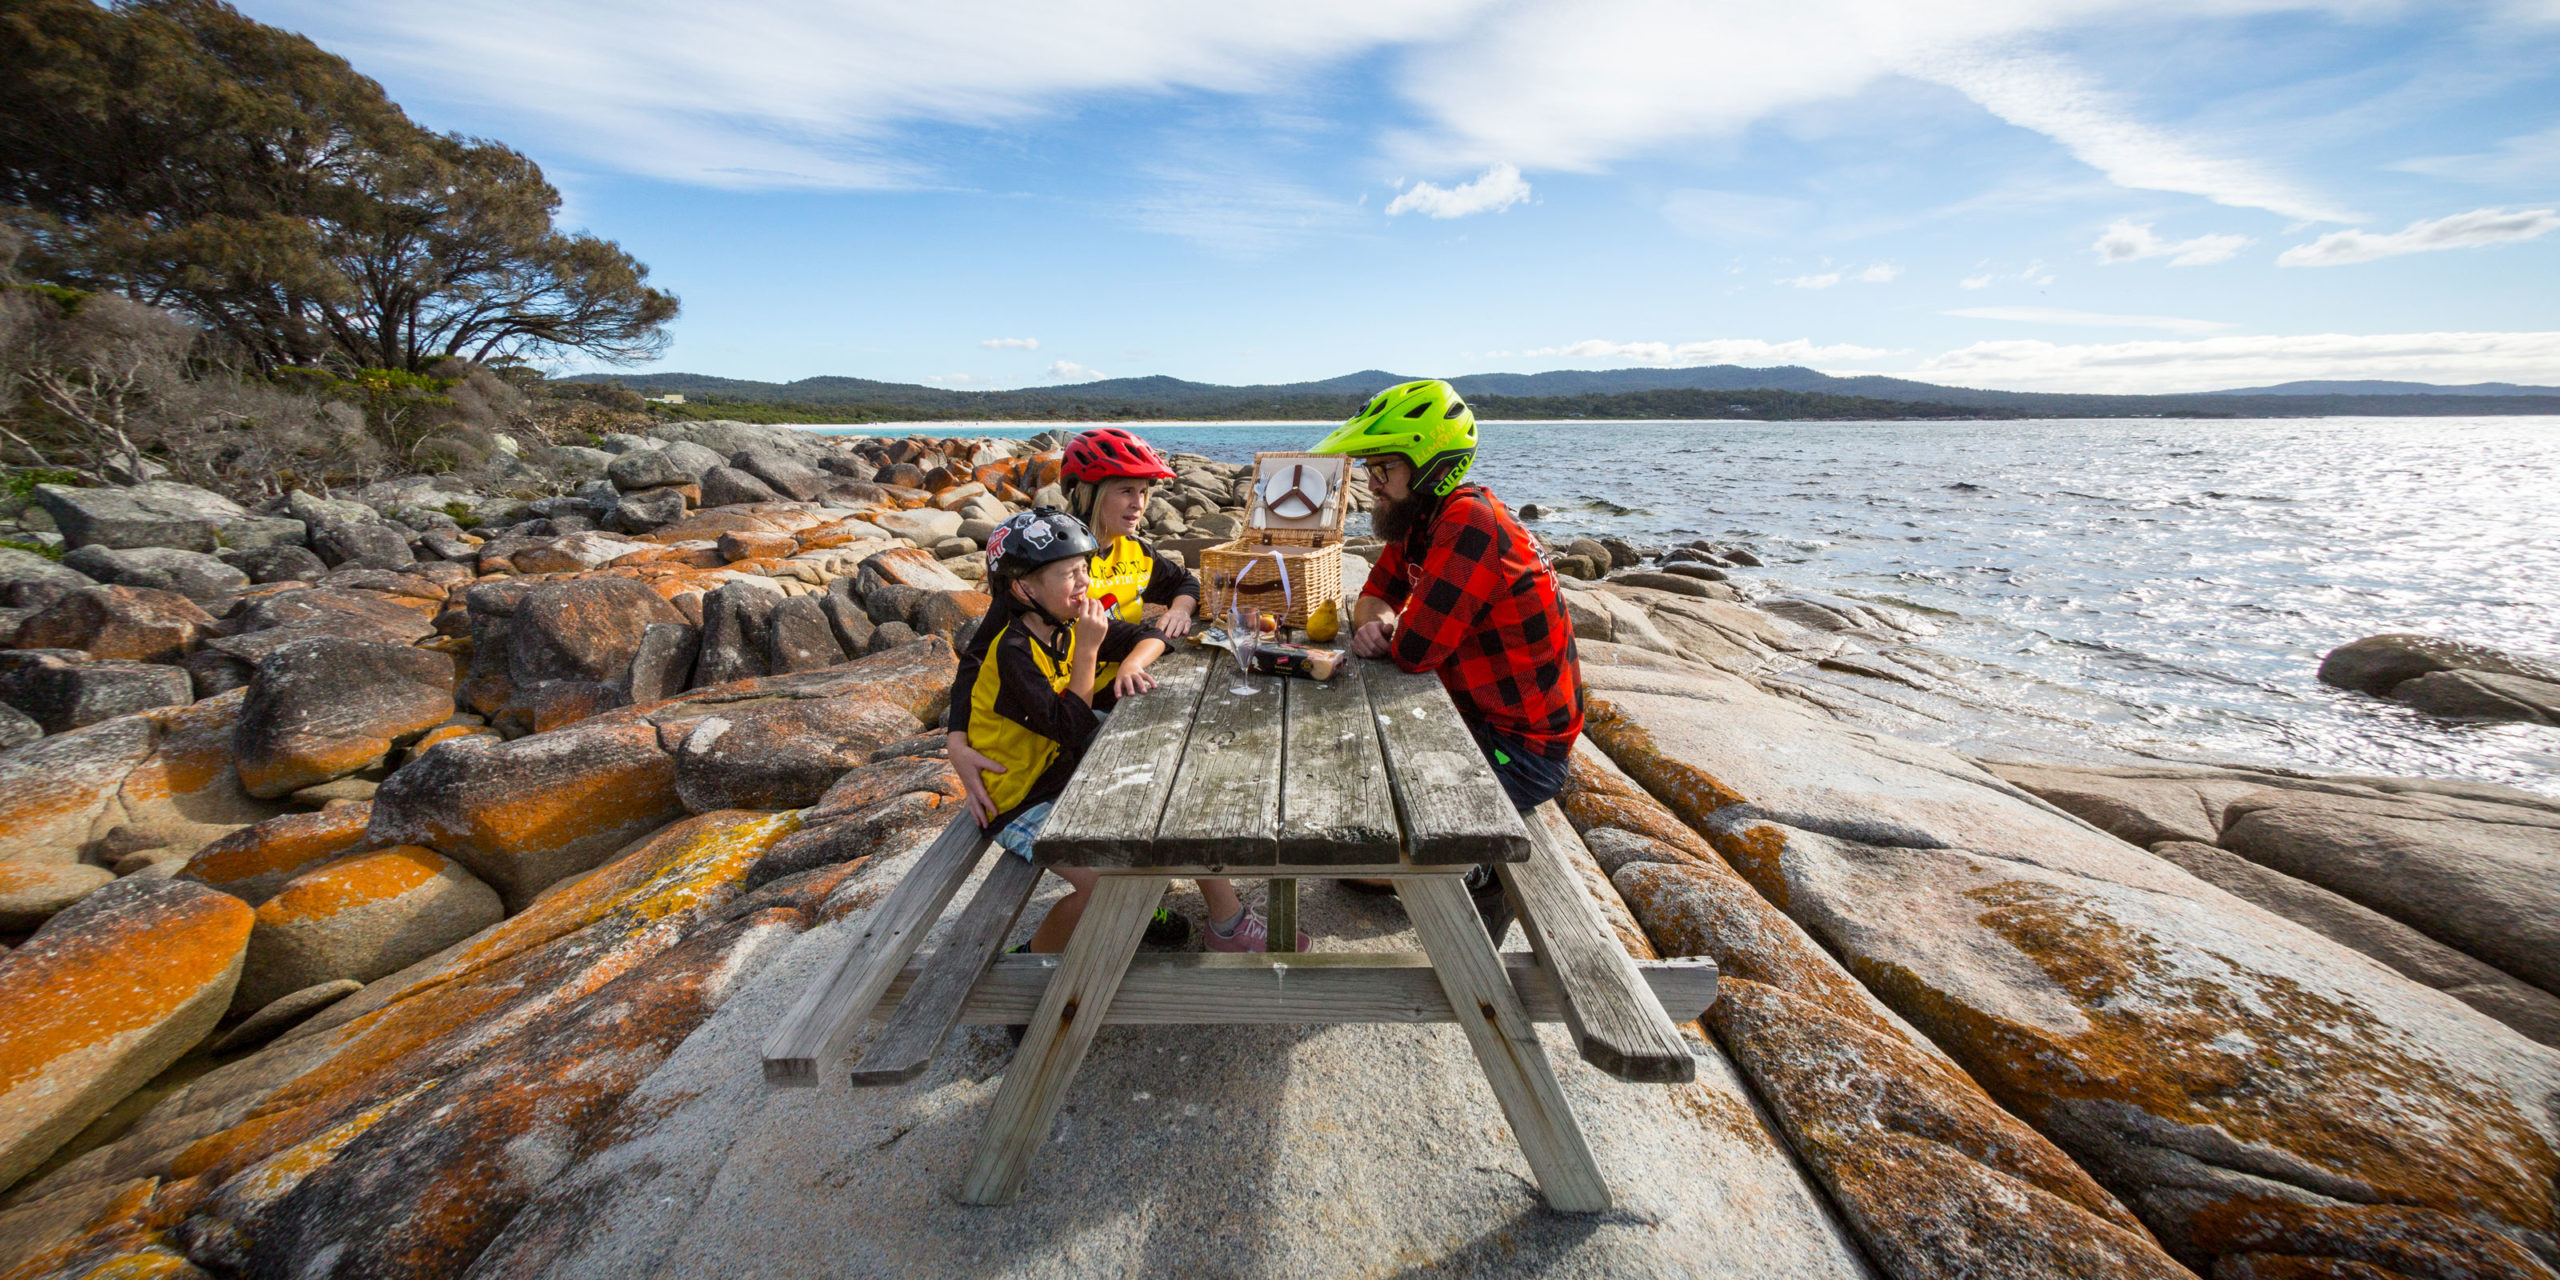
point(932, 1007)
point(1506, 1045)
point(1453, 809)
point(1061, 1029)
point(1225, 806)
point(1617, 1024)
point(1323, 987)
point(1112, 805)
point(823, 1021)
point(1335, 802)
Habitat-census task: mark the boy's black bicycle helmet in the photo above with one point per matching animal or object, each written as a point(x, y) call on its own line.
point(1041, 536)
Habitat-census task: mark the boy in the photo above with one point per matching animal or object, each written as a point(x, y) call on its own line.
point(1051, 669)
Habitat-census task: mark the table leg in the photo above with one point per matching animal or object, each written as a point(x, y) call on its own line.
point(1505, 1042)
point(1283, 910)
point(1060, 1031)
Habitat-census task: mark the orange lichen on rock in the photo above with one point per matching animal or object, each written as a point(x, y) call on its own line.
point(350, 882)
point(567, 945)
point(252, 864)
point(58, 794)
point(435, 1182)
point(2263, 1057)
point(523, 814)
point(111, 990)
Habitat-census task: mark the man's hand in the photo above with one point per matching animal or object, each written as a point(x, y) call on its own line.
point(1374, 639)
point(966, 762)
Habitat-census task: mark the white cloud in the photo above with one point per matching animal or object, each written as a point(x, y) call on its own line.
point(2477, 229)
point(1746, 351)
point(1823, 281)
point(1010, 344)
point(820, 92)
point(813, 92)
point(1070, 371)
point(1880, 273)
point(2525, 158)
point(2055, 99)
point(2128, 241)
point(2092, 319)
point(2208, 364)
point(1230, 205)
point(1975, 282)
point(2037, 274)
point(1493, 191)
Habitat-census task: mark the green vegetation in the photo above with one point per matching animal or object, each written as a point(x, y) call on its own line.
point(38, 548)
point(18, 484)
point(183, 155)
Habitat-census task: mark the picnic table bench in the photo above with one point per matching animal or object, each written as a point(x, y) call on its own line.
point(1216, 773)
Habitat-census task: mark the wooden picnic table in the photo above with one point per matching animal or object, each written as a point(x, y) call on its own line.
point(1216, 773)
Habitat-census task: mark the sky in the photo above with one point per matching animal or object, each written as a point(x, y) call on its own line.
point(2059, 195)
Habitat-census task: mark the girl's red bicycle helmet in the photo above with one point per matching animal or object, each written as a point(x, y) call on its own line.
point(1109, 453)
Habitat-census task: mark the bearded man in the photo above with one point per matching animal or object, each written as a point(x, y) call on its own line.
point(1460, 589)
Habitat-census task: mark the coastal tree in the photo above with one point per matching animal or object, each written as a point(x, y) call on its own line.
point(191, 158)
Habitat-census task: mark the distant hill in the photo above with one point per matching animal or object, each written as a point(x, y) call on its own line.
point(1707, 391)
point(2377, 388)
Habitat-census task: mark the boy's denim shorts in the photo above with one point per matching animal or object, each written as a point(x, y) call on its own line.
point(1025, 827)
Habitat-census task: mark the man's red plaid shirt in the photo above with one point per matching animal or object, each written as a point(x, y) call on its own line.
point(1479, 606)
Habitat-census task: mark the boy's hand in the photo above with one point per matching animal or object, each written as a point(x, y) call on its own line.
point(966, 762)
point(1373, 640)
point(1092, 623)
point(1129, 682)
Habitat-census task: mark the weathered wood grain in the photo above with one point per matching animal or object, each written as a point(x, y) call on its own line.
point(1617, 1024)
point(1321, 987)
point(823, 1021)
point(1225, 806)
point(1505, 1043)
point(1281, 908)
point(1335, 801)
point(1452, 808)
point(1061, 1029)
point(1111, 808)
point(925, 1017)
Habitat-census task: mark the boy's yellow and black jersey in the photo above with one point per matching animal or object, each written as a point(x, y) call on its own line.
point(1022, 717)
point(1127, 576)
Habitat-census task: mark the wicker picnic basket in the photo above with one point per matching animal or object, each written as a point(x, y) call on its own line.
point(1283, 564)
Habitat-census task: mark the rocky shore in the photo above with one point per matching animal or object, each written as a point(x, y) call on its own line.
point(400, 883)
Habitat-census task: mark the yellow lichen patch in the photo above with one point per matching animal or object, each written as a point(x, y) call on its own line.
point(266, 1182)
point(1692, 792)
point(84, 987)
point(281, 845)
point(149, 1264)
point(2258, 1056)
point(665, 872)
point(113, 1227)
point(352, 882)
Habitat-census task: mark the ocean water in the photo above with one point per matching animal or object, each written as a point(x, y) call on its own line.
point(2166, 587)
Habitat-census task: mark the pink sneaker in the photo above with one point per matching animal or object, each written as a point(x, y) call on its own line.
point(1252, 934)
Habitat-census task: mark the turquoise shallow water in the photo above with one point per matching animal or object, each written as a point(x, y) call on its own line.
point(2169, 584)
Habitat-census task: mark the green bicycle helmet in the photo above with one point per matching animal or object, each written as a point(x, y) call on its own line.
point(1424, 422)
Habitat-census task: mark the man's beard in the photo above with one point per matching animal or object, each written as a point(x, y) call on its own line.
point(1392, 520)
